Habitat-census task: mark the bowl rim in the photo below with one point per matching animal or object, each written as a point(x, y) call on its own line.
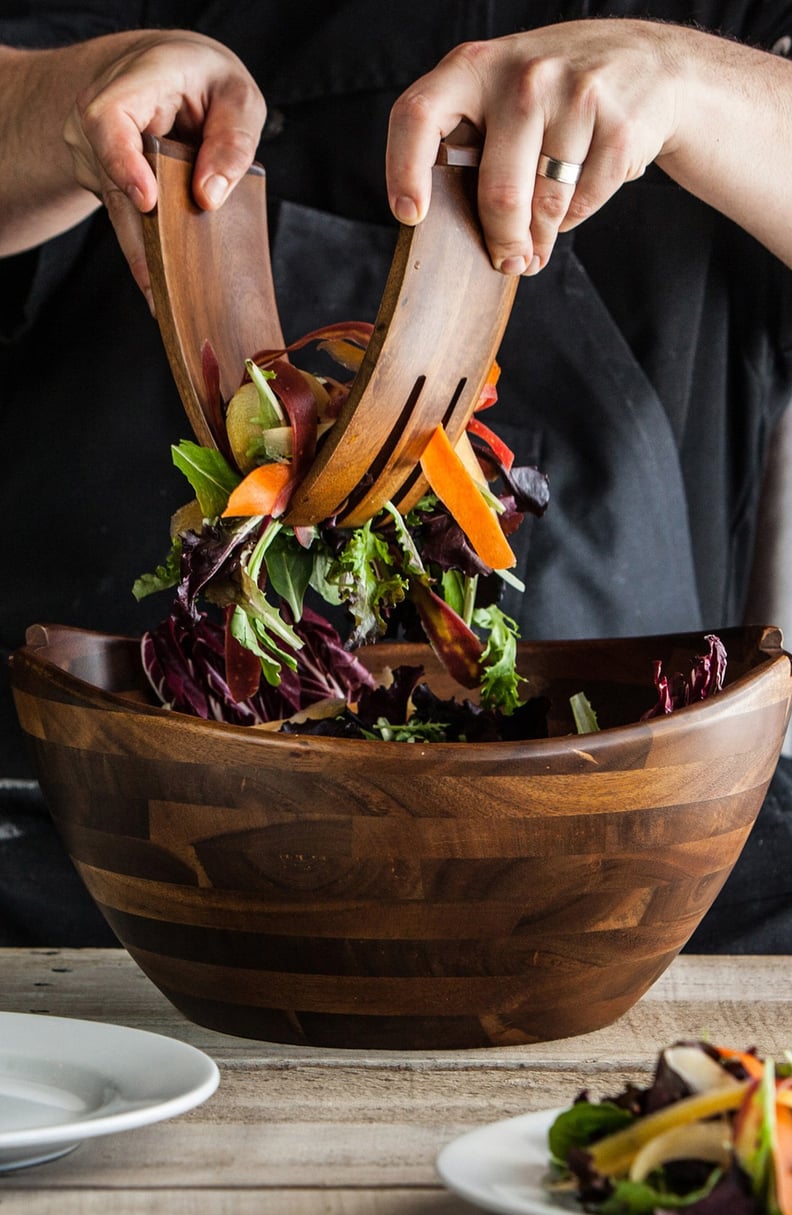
point(768, 640)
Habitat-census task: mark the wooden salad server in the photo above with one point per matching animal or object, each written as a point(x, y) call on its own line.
point(440, 322)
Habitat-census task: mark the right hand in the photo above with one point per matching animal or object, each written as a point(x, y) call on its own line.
point(601, 94)
point(159, 83)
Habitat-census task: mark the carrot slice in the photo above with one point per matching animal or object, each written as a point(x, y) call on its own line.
point(454, 486)
point(753, 1066)
point(782, 1154)
point(345, 353)
point(264, 491)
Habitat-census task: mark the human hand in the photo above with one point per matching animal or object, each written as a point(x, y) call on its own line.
point(162, 82)
point(599, 94)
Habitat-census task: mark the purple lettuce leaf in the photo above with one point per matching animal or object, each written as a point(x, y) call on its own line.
point(325, 668)
point(528, 485)
point(390, 702)
point(184, 660)
point(442, 542)
point(217, 549)
point(677, 690)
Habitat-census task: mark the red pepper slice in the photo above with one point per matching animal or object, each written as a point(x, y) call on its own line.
point(502, 452)
point(294, 393)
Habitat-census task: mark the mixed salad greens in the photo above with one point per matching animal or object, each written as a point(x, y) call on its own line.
point(250, 636)
point(711, 1135)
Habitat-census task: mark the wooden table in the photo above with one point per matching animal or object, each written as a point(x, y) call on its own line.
point(303, 1131)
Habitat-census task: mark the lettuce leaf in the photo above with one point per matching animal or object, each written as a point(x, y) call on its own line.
point(209, 473)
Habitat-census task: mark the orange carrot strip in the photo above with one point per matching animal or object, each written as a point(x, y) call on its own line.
point(454, 486)
point(753, 1066)
point(345, 353)
point(782, 1155)
point(264, 491)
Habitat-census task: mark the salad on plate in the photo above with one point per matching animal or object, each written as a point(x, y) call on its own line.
point(710, 1135)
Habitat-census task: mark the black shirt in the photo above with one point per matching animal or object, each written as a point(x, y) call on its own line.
point(643, 370)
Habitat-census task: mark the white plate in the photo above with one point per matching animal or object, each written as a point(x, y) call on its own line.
point(501, 1167)
point(62, 1081)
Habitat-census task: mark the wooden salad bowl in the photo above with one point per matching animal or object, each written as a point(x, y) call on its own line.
point(389, 895)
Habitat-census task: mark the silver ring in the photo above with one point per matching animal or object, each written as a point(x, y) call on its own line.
point(559, 170)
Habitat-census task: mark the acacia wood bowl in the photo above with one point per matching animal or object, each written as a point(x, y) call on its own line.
point(389, 895)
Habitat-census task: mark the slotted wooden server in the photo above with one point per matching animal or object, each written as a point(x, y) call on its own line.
point(440, 322)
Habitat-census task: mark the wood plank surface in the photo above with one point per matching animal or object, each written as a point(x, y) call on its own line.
point(304, 1130)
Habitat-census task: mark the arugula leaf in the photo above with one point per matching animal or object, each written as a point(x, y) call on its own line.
point(500, 680)
point(165, 575)
point(452, 584)
point(324, 576)
point(366, 579)
point(208, 472)
point(411, 732)
point(242, 629)
point(268, 622)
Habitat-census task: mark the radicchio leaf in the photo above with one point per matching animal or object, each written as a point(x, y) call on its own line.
point(390, 702)
point(213, 404)
point(185, 661)
point(293, 392)
point(324, 666)
point(243, 668)
point(705, 679)
point(456, 645)
point(444, 544)
point(529, 487)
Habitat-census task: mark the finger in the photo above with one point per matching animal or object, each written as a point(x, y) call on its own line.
point(128, 225)
point(565, 147)
point(424, 114)
point(231, 133)
point(606, 169)
point(505, 192)
point(417, 124)
point(106, 147)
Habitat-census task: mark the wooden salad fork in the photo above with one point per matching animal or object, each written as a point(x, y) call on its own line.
point(440, 322)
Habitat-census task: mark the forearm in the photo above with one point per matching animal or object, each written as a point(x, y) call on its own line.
point(732, 143)
point(39, 196)
point(72, 122)
point(608, 96)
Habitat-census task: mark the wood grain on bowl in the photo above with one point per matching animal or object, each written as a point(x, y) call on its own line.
point(352, 893)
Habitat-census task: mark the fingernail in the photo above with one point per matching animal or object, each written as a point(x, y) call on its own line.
point(215, 189)
point(405, 210)
point(534, 266)
point(150, 301)
point(135, 196)
point(511, 265)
